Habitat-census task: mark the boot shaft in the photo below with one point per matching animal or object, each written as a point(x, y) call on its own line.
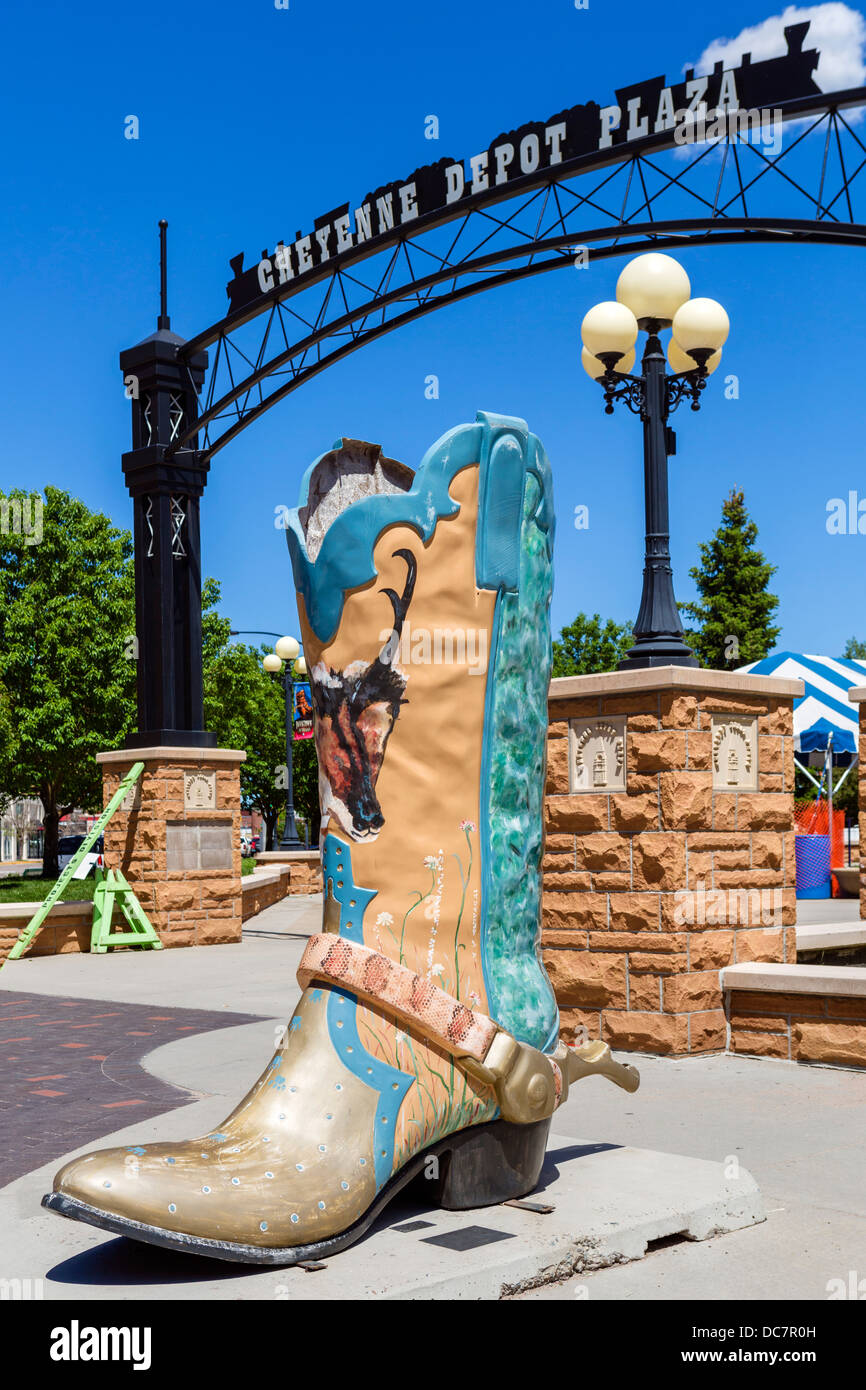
point(424, 606)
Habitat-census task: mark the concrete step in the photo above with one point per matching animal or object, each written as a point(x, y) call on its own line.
point(831, 936)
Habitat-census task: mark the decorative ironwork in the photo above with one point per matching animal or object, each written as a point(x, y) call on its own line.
point(175, 415)
point(178, 517)
point(148, 520)
point(684, 386)
point(619, 386)
point(147, 417)
point(643, 195)
point(631, 390)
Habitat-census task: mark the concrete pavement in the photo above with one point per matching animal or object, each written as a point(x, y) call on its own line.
point(255, 976)
point(799, 1130)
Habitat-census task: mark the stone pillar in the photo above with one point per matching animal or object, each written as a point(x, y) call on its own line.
point(179, 839)
point(857, 696)
point(670, 848)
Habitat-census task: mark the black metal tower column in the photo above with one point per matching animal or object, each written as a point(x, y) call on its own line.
point(165, 491)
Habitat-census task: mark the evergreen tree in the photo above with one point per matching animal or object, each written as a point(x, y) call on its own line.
point(736, 611)
point(587, 645)
point(855, 649)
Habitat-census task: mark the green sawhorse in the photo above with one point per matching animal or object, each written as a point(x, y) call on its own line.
point(110, 887)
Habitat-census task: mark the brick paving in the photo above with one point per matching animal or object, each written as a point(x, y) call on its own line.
point(70, 1070)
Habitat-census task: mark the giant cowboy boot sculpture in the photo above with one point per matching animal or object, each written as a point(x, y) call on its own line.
point(427, 1024)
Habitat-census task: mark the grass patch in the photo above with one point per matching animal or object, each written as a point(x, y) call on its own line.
point(14, 889)
point(248, 865)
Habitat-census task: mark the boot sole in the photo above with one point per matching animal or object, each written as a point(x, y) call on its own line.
point(477, 1167)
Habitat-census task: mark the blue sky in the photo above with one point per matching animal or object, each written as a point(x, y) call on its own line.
point(252, 122)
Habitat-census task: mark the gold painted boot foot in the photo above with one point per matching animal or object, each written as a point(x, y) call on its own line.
point(291, 1175)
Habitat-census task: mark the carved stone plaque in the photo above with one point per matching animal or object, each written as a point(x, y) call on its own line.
point(199, 791)
point(132, 800)
point(191, 846)
point(735, 753)
point(597, 748)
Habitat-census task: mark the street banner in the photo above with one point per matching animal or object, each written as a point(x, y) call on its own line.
point(302, 712)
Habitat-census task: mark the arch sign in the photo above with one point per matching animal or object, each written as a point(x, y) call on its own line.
point(590, 177)
point(753, 98)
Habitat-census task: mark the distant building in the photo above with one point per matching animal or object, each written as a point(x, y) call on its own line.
point(21, 832)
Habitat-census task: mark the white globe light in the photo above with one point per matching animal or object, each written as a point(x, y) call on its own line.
point(300, 667)
point(595, 368)
point(287, 648)
point(653, 286)
point(701, 323)
point(681, 362)
point(609, 327)
point(272, 662)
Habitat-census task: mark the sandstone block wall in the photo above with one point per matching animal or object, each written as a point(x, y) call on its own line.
point(305, 868)
point(623, 871)
point(67, 929)
point(189, 906)
point(799, 1027)
point(261, 890)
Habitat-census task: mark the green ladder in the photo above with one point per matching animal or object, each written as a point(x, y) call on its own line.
point(108, 887)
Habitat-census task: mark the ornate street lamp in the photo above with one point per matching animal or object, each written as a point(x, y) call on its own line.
point(286, 649)
point(652, 294)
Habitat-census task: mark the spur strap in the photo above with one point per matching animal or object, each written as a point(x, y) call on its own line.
point(528, 1083)
point(414, 998)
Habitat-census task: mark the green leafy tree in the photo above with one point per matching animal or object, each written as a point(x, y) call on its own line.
point(67, 673)
point(245, 708)
point(588, 645)
point(855, 649)
point(736, 611)
point(305, 779)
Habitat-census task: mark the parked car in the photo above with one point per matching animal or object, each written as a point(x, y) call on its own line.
point(67, 846)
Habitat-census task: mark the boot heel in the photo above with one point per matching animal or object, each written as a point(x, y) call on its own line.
point(486, 1164)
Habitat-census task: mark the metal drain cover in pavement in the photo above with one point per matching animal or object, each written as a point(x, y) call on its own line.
point(470, 1238)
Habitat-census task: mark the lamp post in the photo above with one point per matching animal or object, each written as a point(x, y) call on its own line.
point(652, 294)
point(286, 649)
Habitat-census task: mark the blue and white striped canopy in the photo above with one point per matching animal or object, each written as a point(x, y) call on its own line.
point(827, 680)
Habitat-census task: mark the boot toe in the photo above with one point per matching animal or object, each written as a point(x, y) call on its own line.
point(99, 1179)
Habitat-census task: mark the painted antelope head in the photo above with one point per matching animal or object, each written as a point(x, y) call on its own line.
point(355, 713)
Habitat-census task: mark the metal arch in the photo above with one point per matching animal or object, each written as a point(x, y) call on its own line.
point(398, 290)
point(301, 375)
